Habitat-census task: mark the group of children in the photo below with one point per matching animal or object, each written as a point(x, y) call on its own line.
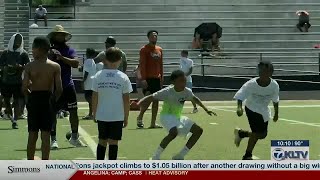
point(108, 93)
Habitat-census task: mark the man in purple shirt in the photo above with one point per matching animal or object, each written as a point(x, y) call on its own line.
point(66, 57)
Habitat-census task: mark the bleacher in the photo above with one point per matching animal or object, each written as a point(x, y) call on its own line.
point(252, 30)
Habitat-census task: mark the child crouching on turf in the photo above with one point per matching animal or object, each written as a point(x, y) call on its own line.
point(110, 103)
point(174, 97)
point(258, 92)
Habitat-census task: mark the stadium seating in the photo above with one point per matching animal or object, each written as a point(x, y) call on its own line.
point(250, 27)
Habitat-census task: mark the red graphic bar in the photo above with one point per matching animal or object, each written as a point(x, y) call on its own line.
point(196, 175)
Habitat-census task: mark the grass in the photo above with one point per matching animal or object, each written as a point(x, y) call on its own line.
point(300, 123)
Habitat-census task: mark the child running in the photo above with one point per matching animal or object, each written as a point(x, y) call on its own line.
point(110, 103)
point(174, 97)
point(257, 92)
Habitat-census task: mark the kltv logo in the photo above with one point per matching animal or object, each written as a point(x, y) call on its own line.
point(280, 154)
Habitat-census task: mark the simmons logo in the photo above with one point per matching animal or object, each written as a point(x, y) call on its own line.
point(279, 154)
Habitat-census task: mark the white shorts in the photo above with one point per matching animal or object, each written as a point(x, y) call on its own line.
point(183, 124)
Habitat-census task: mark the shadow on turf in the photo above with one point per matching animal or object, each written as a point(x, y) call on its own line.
point(38, 149)
point(6, 129)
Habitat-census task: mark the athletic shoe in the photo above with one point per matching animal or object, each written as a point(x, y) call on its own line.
point(154, 158)
point(15, 125)
point(140, 123)
point(156, 126)
point(177, 157)
point(87, 117)
point(54, 145)
point(77, 143)
point(237, 138)
point(247, 158)
point(60, 115)
point(195, 110)
point(66, 113)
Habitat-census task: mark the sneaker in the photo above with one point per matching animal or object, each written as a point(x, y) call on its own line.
point(54, 145)
point(247, 158)
point(195, 110)
point(237, 138)
point(155, 158)
point(65, 113)
point(156, 126)
point(177, 157)
point(140, 124)
point(15, 125)
point(77, 142)
point(87, 117)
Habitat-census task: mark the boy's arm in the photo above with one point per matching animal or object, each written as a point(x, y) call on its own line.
point(276, 111)
point(145, 102)
point(126, 107)
point(58, 82)
point(25, 82)
point(94, 104)
point(85, 76)
point(275, 100)
point(197, 101)
point(239, 108)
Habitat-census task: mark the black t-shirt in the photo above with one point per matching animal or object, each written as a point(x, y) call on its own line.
point(10, 73)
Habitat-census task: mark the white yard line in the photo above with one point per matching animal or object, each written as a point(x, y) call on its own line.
point(213, 123)
point(89, 141)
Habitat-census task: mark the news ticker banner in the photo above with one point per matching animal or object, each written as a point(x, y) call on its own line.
point(119, 169)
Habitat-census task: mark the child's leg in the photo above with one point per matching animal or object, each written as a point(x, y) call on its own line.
point(173, 133)
point(113, 149)
point(45, 144)
point(101, 149)
point(196, 134)
point(259, 131)
point(31, 147)
point(103, 140)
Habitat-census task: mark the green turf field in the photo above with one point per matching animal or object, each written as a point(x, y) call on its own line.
point(298, 121)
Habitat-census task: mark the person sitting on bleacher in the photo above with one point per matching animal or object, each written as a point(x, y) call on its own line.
point(41, 13)
point(303, 21)
point(206, 36)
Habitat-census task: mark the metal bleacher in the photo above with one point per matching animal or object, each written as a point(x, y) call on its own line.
point(252, 30)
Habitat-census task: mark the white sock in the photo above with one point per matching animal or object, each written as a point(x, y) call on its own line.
point(158, 152)
point(184, 151)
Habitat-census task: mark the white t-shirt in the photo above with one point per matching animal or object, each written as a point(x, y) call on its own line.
point(111, 84)
point(258, 98)
point(99, 66)
point(173, 101)
point(41, 12)
point(90, 67)
point(185, 65)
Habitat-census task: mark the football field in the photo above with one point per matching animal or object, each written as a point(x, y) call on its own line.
point(299, 120)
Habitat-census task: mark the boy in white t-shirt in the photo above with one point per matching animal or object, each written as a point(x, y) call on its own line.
point(257, 94)
point(89, 70)
point(110, 103)
point(186, 65)
point(173, 98)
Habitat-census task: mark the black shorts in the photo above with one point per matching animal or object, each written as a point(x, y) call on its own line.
point(154, 85)
point(110, 130)
point(68, 99)
point(88, 94)
point(256, 122)
point(41, 112)
point(9, 91)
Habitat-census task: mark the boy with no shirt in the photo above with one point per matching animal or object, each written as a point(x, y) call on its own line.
point(40, 78)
